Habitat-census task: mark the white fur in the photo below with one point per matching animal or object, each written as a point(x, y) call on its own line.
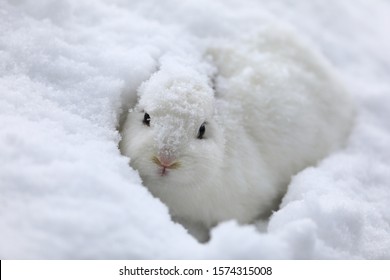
point(277, 109)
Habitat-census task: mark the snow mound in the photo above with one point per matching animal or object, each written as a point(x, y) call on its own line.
point(66, 192)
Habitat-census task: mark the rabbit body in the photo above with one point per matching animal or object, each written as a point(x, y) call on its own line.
point(275, 109)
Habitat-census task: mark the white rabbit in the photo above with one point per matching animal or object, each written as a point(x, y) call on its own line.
point(229, 153)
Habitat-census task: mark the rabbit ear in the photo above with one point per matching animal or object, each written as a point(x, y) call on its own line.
point(213, 73)
point(213, 83)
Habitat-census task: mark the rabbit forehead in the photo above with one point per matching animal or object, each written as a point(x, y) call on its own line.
point(178, 118)
point(183, 106)
point(178, 109)
point(178, 93)
point(173, 131)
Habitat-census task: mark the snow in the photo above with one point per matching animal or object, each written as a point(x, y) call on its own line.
point(66, 192)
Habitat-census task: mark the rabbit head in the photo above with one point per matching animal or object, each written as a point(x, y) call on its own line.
point(171, 136)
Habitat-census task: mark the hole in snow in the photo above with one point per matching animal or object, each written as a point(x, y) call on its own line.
point(277, 110)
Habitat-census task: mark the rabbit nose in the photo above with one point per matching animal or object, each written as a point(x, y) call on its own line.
point(166, 160)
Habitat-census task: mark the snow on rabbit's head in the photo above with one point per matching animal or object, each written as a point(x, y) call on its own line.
point(172, 138)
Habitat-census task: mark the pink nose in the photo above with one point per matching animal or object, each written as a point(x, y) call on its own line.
point(166, 161)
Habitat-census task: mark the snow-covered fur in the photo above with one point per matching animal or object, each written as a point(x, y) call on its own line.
point(227, 150)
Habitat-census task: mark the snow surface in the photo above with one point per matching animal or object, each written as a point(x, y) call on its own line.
point(66, 68)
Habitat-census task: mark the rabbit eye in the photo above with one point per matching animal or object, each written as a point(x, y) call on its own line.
point(202, 130)
point(146, 120)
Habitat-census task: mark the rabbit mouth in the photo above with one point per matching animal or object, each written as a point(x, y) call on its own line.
point(163, 171)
